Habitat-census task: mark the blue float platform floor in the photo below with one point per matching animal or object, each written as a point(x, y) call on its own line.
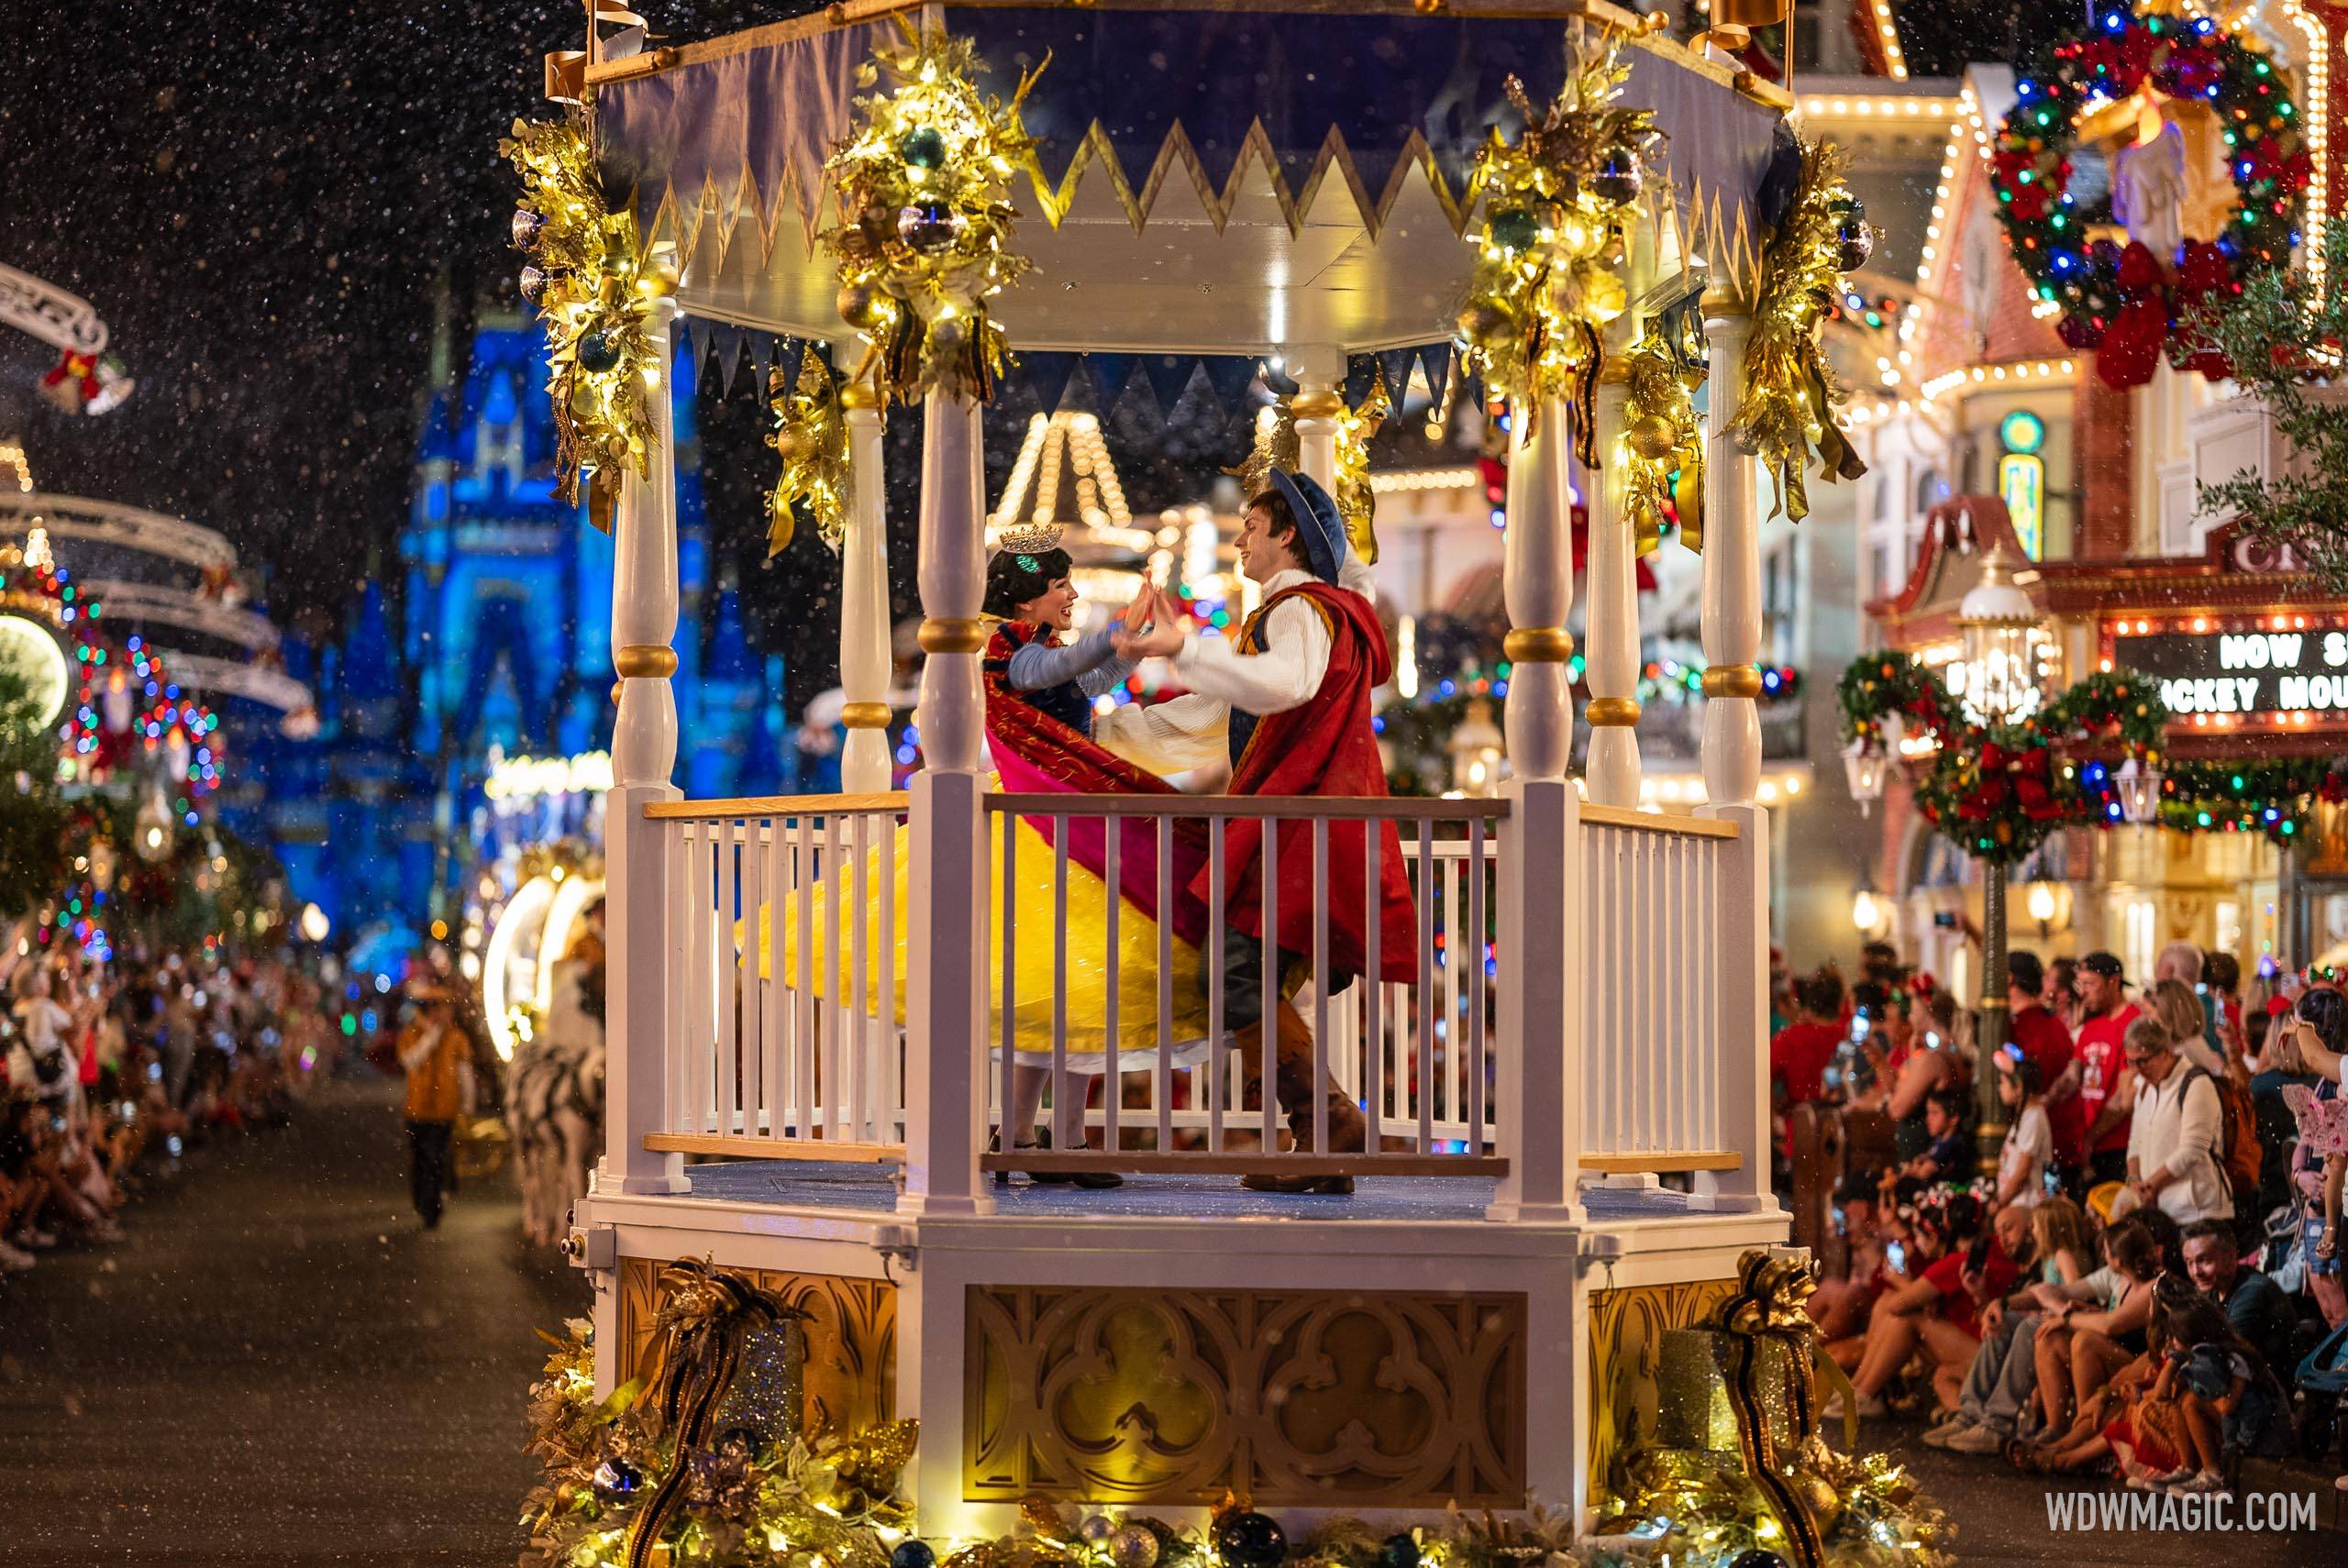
point(801, 1184)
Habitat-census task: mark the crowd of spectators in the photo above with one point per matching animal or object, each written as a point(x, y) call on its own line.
point(109, 1064)
point(2137, 1270)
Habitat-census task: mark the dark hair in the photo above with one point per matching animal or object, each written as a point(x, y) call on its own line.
point(1858, 1187)
point(2223, 1229)
point(1820, 993)
point(2018, 1063)
point(2327, 1011)
point(1951, 1100)
point(2132, 1248)
point(2025, 973)
point(1872, 995)
point(2165, 1233)
point(2221, 971)
point(2184, 1315)
point(1283, 521)
point(1957, 1217)
point(1014, 578)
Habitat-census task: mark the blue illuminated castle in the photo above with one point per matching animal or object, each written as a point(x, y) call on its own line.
point(489, 631)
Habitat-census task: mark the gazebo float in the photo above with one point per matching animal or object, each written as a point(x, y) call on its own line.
point(1567, 1105)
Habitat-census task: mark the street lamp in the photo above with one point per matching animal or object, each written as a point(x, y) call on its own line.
point(1476, 750)
point(2139, 789)
point(1864, 770)
point(1998, 622)
point(1866, 910)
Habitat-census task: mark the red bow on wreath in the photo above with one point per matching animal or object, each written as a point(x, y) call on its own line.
point(72, 382)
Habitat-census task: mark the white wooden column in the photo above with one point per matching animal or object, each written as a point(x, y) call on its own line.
point(1614, 622)
point(945, 990)
point(1320, 373)
point(644, 755)
point(1541, 980)
point(865, 628)
point(1732, 759)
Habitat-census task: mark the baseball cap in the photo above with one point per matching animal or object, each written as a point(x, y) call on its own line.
point(2108, 964)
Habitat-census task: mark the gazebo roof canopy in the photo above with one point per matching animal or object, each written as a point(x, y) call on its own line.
point(1234, 177)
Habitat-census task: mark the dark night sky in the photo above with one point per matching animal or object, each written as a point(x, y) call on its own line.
point(259, 199)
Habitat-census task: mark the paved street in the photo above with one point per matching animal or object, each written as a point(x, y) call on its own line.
point(278, 1366)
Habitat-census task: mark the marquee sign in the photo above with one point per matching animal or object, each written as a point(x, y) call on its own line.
point(2274, 671)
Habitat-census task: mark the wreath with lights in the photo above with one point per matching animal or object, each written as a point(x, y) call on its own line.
point(1998, 791)
point(2118, 300)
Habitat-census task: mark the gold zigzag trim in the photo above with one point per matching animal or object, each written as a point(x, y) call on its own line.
point(716, 215)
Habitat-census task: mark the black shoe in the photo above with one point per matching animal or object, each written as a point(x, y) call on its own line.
point(1332, 1186)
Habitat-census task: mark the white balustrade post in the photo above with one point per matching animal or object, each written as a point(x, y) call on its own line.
point(865, 657)
point(1731, 760)
point(945, 990)
point(1540, 940)
point(644, 754)
point(1613, 651)
point(1320, 373)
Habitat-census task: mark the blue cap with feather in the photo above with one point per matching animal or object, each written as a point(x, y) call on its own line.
point(1320, 531)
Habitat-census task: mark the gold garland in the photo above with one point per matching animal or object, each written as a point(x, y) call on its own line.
point(811, 437)
point(597, 296)
point(1790, 394)
point(1277, 446)
point(926, 180)
point(1662, 438)
point(1554, 204)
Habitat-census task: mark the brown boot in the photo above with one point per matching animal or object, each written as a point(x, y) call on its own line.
point(1294, 1083)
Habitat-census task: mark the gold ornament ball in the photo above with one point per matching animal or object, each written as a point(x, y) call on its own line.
point(1482, 320)
point(790, 443)
point(1652, 436)
point(1134, 1547)
point(859, 306)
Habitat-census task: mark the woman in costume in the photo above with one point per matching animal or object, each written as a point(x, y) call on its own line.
point(1040, 696)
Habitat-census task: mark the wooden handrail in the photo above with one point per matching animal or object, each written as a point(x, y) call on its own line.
point(1341, 808)
point(896, 802)
point(1651, 822)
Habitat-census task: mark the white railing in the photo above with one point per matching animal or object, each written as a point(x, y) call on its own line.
point(1656, 1053)
point(785, 977)
point(1415, 1057)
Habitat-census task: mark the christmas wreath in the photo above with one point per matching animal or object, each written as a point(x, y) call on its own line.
point(2117, 299)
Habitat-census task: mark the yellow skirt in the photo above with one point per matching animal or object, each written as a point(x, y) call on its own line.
point(836, 972)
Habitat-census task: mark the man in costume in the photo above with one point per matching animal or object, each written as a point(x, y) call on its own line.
point(1288, 701)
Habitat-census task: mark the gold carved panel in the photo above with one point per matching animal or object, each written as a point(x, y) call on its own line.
point(1287, 1397)
point(1626, 1330)
point(851, 1372)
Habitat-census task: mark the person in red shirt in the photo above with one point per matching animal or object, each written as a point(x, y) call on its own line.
point(1800, 1052)
point(2041, 1037)
point(1939, 1311)
point(2106, 1089)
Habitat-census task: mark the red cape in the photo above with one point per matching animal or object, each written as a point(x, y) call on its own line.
point(1325, 747)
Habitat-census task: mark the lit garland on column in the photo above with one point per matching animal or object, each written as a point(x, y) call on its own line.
point(1555, 206)
point(1790, 394)
point(811, 438)
point(1663, 443)
point(596, 295)
point(925, 182)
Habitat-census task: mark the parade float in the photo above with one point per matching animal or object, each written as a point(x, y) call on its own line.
point(1563, 1192)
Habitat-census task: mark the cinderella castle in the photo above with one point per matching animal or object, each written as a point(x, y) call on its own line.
point(487, 638)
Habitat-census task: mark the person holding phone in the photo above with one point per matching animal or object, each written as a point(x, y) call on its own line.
point(1939, 1311)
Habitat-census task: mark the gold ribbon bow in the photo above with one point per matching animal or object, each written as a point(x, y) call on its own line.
point(1772, 1291)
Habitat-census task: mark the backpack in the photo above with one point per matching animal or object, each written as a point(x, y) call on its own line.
point(2238, 1152)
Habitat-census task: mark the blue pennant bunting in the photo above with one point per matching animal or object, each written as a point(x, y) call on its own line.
point(1048, 376)
point(1169, 375)
point(1110, 375)
point(1230, 376)
point(1395, 365)
point(1361, 372)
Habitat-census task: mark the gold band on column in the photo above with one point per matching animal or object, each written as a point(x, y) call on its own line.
point(860, 394)
point(1723, 297)
point(1733, 681)
point(1538, 645)
point(645, 661)
point(1318, 402)
point(953, 636)
point(1612, 712)
point(865, 716)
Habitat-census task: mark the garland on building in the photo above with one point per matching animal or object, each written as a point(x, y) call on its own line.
point(925, 181)
point(1663, 441)
point(2119, 301)
point(1998, 791)
point(1555, 204)
point(810, 437)
point(1791, 392)
point(597, 296)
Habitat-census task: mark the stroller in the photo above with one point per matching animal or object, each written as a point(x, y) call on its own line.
point(2323, 1378)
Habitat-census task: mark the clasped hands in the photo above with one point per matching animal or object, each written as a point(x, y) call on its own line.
point(1153, 625)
